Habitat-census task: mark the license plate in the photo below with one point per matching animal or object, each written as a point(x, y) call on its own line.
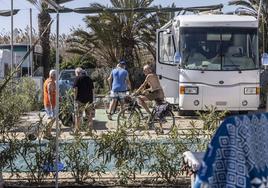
point(221, 103)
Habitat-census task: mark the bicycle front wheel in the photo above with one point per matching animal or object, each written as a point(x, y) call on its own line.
point(128, 118)
point(163, 125)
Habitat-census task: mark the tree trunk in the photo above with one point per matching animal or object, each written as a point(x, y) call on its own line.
point(1, 180)
point(127, 51)
point(265, 40)
point(43, 20)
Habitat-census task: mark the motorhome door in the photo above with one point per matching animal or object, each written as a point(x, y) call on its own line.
point(1, 65)
point(166, 69)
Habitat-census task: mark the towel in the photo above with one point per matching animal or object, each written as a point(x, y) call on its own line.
point(238, 154)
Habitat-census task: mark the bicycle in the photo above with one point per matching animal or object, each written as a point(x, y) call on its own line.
point(161, 121)
point(106, 103)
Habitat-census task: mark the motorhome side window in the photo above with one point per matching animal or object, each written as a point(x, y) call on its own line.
point(219, 48)
point(166, 48)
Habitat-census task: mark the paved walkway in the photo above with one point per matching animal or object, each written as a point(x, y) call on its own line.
point(101, 123)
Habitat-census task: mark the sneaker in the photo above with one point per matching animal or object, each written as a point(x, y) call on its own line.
point(89, 133)
point(146, 118)
point(109, 117)
point(159, 131)
point(75, 133)
point(48, 136)
point(149, 125)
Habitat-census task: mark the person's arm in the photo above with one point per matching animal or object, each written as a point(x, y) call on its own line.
point(49, 88)
point(110, 79)
point(143, 85)
point(93, 89)
point(128, 83)
point(75, 87)
point(75, 92)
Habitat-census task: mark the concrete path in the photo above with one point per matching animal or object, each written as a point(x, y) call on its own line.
point(101, 124)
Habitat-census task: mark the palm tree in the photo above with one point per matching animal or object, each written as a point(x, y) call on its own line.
point(43, 22)
point(112, 36)
point(251, 7)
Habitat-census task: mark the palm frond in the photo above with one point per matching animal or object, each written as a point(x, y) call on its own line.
point(36, 3)
point(62, 1)
point(242, 3)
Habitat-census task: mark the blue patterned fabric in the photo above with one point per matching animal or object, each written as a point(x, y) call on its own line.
point(238, 154)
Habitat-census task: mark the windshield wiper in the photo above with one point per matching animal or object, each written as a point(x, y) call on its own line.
point(236, 67)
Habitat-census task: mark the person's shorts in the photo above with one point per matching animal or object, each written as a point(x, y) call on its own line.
point(155, 95)
point(118, 95)
point(81, 107)
point(50, 112)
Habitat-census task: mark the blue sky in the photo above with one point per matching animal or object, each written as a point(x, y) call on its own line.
point(73, 20)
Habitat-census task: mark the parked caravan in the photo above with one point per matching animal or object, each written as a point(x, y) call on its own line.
point(205, 60)
point(19, 50)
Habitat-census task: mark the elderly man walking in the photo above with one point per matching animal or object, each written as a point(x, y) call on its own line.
point(83, 94)
point(50, 101)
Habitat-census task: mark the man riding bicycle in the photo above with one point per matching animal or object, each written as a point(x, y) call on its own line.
point(154, 92)
point(119, 84)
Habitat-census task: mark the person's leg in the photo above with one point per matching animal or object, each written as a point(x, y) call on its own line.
point(121, 104)
point(121, 99)
point(78, 116)
point(49, 127)
point(89, 114)
point(141, 101)
point(111, 108)
point(51, 117)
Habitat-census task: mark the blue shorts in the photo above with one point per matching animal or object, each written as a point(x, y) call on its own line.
point(50, 112)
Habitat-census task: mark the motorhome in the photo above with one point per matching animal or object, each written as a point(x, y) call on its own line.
point(19, 50)
point(210, 60)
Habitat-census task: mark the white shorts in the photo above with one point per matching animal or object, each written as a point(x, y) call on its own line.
point(120, 95)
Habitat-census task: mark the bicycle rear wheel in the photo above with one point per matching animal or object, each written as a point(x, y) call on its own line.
point(128, 118)
point(164, 124)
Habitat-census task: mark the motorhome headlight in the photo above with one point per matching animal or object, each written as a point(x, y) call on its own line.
point(188, 90)
point(251, 90)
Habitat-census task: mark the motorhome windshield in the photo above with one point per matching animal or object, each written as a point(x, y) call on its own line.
point(219, 48)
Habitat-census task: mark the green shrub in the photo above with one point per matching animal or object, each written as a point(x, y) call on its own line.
point(79, 161)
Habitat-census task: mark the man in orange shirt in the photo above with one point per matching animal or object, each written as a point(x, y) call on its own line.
point(50, 101)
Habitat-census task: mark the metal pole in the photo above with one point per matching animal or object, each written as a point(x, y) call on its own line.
point(29, 59)
point(31, 37)
point(259, 10)
point(11, 38)
point(57, 99)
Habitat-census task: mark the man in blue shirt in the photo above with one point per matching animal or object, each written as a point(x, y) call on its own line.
point(119, 84)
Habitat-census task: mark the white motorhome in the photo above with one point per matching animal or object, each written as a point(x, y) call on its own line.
point(19, 51)
point(205, 60)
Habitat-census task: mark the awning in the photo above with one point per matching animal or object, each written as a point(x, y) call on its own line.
point(94, 10)
point(8, 12)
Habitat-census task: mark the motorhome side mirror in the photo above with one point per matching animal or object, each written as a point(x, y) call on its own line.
point(177, 58)
point(264, 59)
